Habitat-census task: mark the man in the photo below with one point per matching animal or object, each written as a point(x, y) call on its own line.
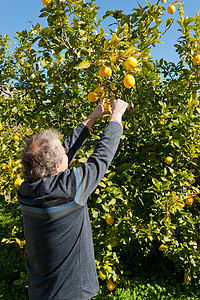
point(53, 201)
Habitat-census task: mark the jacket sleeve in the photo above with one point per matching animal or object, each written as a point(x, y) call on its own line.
point(76, 140)
point(88, 176)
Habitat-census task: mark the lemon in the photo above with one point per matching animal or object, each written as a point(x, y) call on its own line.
point(171, 9)
point(92, 97)
point(189, 200)
point(196, 60)
point(131, 63)
point(129, 81)
point(164, 1)
point(18, 182)
point(99, 91)
point(109, 220)
point(107, 106)
point(16, 138)
point(168, 160)
point(46, 2)
point(110, 285)
point(105, 71)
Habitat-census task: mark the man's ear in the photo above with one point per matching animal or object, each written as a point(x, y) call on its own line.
point(57, 168)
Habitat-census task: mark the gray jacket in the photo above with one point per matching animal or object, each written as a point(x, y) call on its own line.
point(57, 228)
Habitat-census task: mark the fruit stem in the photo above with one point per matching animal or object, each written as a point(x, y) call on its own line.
point(159, 36)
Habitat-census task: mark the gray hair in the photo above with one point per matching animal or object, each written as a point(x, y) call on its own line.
point(39, 155)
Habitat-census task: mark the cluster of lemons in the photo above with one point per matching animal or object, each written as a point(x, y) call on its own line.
point(110, 284)
point(129, 81)
point(189, 200)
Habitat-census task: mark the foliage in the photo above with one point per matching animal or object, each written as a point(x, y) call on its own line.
point(44, 83)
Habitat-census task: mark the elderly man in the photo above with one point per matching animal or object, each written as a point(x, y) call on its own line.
point(53, 201)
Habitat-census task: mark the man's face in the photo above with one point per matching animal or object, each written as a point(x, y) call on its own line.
point(64, 164)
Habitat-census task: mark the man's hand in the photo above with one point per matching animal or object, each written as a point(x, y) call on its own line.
point(96, 114)
point(118, 109)
point(99, 112)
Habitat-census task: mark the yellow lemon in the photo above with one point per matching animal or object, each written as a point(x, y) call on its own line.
point(131, 63)
point(129, 81)
point(109, 220)
point(46, 2)
point(92, 97)
point(189, 200)
point(18, 182)
point(171, 9)
point(168, 160)
point(105, 71)
point(110, 285)
point(99, 91)
point(107, 106)
point(16, 138)
point(164, 1)
point(196, 60)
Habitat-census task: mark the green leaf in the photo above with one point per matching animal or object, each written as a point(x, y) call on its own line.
point(190, 20)
point(124, 167)
point(44, 14)
point(148, 65)
point(168, 21)
point(158, 41)
point(112, 202)
point(165, 185)
point(105, 207)
point(17, 282)
point(156, 183)
point(175, 2)
point(83, 65)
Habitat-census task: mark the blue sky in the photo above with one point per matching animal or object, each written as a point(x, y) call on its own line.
point(16, 15)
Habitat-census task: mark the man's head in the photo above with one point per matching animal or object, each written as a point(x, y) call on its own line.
point(43, 155)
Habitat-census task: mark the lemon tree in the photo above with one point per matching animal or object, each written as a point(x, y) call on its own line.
point(146, 208)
